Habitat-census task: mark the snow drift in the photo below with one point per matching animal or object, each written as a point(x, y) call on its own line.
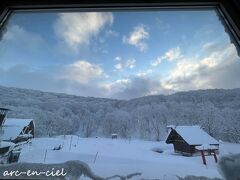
point(77, 170)
point(74, 170)
point(229, 166)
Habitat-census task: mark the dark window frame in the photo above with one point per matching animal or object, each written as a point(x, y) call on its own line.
point(229, 10)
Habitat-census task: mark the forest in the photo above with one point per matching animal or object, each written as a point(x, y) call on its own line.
point(216, 110)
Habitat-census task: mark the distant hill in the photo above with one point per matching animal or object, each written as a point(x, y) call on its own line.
point(217, 111)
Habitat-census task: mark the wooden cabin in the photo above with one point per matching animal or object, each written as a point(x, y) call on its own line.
point(17, 130)
point(188, 139)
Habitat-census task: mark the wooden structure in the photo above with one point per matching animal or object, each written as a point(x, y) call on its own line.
point(3, 114)
point(5, 147)
point(13, 131)
point(17, 130)
point(13, 156)
point(188, 139)
point(207, 150)
point(114, 136)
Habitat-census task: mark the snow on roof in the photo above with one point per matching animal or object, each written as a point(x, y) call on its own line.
point(195, 135)
point(13, 127)
point(17, 122)
point(206, 147)
point(11, 132)
point(171, 126)
point(6, 144)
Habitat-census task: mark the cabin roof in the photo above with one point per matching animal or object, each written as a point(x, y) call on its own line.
point(17, 122)
point(6, 144)
point(5, 109)
point(13, 127)
point(194, 135)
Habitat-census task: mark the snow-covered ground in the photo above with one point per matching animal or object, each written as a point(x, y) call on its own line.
point(108, 157)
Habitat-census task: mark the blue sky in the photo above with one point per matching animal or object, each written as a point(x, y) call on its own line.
point(118, 54)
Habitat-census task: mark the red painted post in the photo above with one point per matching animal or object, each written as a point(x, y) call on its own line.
point(215, 156)
point(203, 157)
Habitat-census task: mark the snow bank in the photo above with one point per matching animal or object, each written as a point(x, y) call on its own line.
point(229, 166)
point(73, 170)
point(107, 157)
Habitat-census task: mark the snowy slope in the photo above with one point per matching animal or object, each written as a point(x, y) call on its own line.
point(122, 157)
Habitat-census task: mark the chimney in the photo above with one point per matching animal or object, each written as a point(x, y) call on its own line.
point(3, 114)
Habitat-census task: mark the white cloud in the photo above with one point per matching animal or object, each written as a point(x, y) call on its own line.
point(208, 45)
point(144, 73)
point(119, 66)
point(129, 63)
point(133, 87)
point(112, 89)
point(16, 31)
point(23, 47)
point(116, 86)
point(19, 38)
point(157, 61)
point(173, 54)
point(189, 74)
point(217, 70)
point(170, 55)
point(76, 29)
point(137, 38)
point(82, 72)
point(117, 58)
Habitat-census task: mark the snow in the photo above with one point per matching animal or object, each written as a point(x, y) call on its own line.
point(11, 132)
point(194, 135)
point(17, 122)
point(217, 111)
point(6, 144)
point(227, 148)
point(229, 166)
point(25, 136)
point(206, 147)
point(76, 170)
point(13, 127)
point(108, 157)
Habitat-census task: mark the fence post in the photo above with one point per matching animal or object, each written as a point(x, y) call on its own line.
point(203, 157)
point(95, 158)
point(77, 139)
point(45, 155)
point(215, 156)
point(70, 144)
